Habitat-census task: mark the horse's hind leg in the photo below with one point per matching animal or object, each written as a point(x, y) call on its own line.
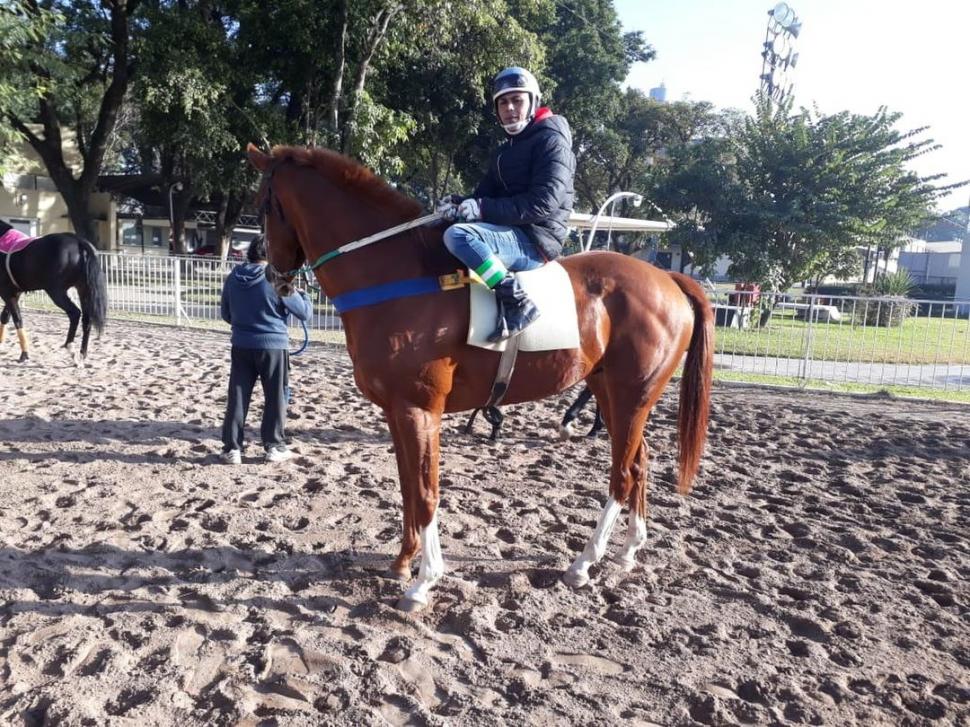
point(4, 317)
point(636, 532)
point(63, 301)
point(470, 424)
point(566, 425)
point(626, 414)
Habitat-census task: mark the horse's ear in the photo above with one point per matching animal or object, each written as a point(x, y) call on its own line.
point(257, 158)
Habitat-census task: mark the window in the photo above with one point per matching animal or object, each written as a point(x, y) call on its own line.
point(24, 225)
point(130, 233)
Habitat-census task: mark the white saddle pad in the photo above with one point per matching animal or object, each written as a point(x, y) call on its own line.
point(557, 326)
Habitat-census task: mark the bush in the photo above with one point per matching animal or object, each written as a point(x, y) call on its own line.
point(891, 306)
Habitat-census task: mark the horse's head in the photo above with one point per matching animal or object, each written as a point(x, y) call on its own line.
point(284, 252)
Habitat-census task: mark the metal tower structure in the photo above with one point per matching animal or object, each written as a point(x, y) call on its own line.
point(778, 54)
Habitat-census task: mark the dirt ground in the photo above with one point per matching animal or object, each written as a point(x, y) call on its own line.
point(818, 574)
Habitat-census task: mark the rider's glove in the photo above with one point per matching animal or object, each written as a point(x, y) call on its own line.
point(469, 210)
point(448, 207)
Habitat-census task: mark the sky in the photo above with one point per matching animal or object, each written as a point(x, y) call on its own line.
point(854, 55)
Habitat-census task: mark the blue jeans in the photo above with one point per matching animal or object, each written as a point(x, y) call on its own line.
point(474, 242)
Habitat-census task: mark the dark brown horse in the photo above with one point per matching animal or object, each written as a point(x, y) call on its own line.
point(54, 263)
point(410, 354)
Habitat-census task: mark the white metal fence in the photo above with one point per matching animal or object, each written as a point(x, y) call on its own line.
point(183, 290)
point(877, 341)
point(845, 339)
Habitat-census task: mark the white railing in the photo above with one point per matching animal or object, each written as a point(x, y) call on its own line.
point(845, 339)
point(182, 290)
point(839, 339)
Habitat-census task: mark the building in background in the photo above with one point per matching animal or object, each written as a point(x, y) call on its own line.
point(131, 211)
point(659, 93)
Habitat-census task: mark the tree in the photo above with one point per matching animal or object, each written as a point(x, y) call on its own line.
point(73, 77)
point(436, 74)
point(792, 196)
point(23, 28)
point(191, 121)
point(588, 57)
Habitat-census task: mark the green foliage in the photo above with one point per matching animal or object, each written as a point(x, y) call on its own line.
point(792, 196)
point(891, 307)
point(897, 283)
point(588, 57)
point(23, 29)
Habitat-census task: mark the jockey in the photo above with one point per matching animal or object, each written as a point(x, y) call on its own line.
point(515, 219)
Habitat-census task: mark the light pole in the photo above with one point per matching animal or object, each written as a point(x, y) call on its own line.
point(637, 201)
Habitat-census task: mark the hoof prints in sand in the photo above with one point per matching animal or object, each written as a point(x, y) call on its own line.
point(818, 573)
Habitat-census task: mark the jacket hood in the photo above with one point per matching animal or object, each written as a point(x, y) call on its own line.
point(250, 274)
point(545, 119)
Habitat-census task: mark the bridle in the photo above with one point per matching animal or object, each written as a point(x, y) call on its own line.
point(307, 267)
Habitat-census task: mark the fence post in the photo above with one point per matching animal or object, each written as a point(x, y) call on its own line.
point(177, 289)
point(809, 335)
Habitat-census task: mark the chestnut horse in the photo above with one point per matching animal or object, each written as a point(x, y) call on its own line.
point(411, 358)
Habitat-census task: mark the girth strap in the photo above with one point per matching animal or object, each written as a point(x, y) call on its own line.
point(7, 258)
point(506, 365)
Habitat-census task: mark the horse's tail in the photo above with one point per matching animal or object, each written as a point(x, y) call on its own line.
point(695, 384)
point(95, 303)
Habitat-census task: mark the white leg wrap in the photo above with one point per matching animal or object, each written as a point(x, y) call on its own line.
point(578, 573)
point(636, 536)
point(432, 564)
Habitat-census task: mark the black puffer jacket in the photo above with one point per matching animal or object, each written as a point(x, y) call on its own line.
point(529, 182)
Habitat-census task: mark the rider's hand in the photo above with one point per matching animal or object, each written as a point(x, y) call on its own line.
point(447, 208)
point(470, 210)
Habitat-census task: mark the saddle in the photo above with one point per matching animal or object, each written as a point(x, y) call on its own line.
point(13, 241)
point(551, 290)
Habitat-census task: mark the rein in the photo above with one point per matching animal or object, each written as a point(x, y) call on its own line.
point(364, 242)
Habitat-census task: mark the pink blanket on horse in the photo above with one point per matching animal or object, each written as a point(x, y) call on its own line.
point(13, 241)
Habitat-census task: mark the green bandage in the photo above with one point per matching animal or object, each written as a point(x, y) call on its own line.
point(491, 271)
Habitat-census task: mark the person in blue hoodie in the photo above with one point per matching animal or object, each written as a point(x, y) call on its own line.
point(516, 218)
point(260, 350)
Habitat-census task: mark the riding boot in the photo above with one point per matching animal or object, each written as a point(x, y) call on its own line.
point(516, 311)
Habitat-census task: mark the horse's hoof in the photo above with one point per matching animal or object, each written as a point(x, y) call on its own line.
point(575, 579)
point(409, 605)
point(23, 357)
point(626, 564)
point(565, 432)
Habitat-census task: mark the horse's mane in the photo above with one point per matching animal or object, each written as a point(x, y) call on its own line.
point(346, 172)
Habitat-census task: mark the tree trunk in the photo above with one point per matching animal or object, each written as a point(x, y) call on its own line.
point(378, 30)
point(230, 209)
point(76, 192)
point(222, 230)
point(336, 93)
point(180, 208)
point(865, 265)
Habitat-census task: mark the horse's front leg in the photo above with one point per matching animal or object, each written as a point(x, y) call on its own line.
point(18, 323)
point(416, 435)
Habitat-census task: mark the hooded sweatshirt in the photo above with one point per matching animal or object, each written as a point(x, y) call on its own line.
point(254, 310)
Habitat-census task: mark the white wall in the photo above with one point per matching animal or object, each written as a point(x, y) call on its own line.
point(963, 277)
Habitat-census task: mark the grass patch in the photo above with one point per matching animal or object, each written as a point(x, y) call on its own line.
point(916, 341)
